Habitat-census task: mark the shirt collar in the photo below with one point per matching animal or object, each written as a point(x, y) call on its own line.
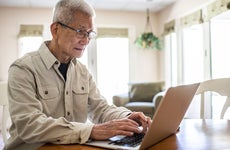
point(48, 58)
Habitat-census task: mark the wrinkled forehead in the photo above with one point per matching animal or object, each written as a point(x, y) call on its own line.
point(82, 20)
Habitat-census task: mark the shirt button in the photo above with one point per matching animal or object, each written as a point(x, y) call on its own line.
point(82, 88)
point(67, 92)
point(46, 92)
point(56, 62)
point(68, 113)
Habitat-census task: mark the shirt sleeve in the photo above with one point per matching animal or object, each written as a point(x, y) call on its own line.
point(29, 123)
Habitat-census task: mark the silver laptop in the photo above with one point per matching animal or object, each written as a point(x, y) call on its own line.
point(165, 121)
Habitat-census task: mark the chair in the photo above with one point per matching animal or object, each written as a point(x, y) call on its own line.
point(158, 97)
point(140, 97)
point(5, 111)
point(220, 86)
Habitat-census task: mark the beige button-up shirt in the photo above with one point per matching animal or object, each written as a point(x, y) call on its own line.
point(45, 108)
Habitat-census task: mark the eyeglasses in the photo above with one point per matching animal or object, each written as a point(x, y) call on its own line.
point(80, 33)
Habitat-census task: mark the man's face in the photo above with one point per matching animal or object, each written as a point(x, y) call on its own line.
point(71, 43)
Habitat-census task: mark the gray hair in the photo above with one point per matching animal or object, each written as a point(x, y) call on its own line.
point(66, 9)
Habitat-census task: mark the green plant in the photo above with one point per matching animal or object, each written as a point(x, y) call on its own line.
point(148, 41)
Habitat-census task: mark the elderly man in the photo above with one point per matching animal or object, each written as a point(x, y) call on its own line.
point(51, 94)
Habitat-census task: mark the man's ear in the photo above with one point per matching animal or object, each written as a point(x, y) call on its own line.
point(54, 29)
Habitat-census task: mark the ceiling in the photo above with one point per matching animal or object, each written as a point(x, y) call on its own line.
point(120, 5)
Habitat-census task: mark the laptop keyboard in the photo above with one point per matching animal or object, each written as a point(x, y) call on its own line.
point(132, 141)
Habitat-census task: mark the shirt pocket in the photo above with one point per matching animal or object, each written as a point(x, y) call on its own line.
point(48, 92)
point(80, 95)
point(80, 90)
point(51, 101)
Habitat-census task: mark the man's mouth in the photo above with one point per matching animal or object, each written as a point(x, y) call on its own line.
point(79, 49)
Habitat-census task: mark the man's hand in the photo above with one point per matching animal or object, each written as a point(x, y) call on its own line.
point(127, 126)
point(141, 119)
point(115, 127)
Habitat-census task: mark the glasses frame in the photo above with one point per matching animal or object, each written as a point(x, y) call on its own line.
point(80, 33)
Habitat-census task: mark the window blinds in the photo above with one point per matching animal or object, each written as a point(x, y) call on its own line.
point(199, 16)
point(169, 27)
point(30, 30)
point(192, 19)
point(112, 32)
point(216, 8)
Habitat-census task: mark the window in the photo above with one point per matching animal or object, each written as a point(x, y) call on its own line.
point(30, 38)
point(29, 44)
point(220, 54)
point(193, 58)
point(171, 59)
point(108, 61)
point(112, 66)
point(204, 50)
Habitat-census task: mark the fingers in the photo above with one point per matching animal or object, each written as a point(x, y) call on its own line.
point(141, 119)
point(126, 127)
point(146, 124)
point(129, 121)
point(112, 128)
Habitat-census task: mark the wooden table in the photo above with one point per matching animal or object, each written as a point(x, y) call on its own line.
point(194, 134)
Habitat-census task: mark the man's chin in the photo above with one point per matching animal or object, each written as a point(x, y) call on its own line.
point(78, 55)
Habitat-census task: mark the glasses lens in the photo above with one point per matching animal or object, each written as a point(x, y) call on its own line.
point(83, 34)
point(92, 35)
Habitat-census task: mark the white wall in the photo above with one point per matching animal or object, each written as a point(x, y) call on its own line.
point(11, 18)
